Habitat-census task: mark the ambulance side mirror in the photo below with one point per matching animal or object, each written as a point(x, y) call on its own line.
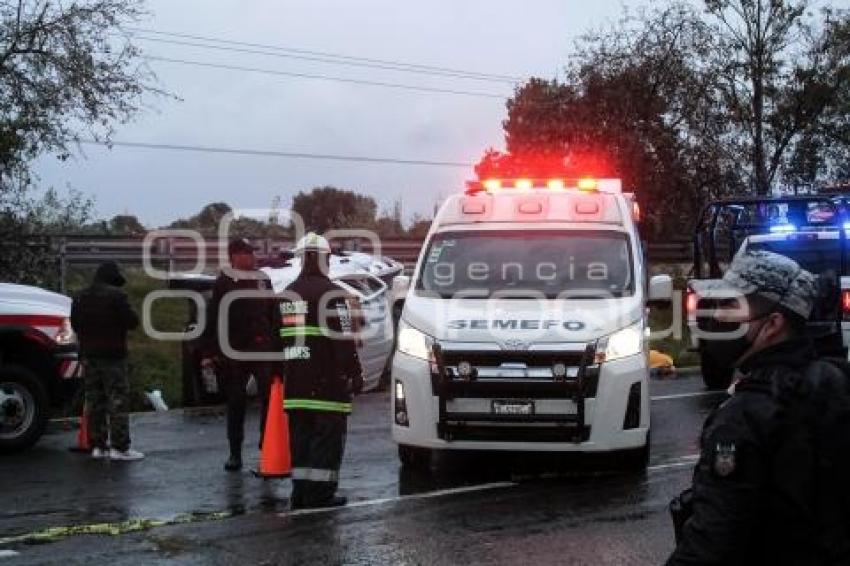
point(401, 285)
point(660, 289)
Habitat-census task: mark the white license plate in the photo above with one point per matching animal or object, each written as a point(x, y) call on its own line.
point(513, 407)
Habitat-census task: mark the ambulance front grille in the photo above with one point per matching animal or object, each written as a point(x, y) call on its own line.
point(511, 373)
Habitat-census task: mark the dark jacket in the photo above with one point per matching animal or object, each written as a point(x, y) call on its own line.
point(754, 487)
point(319, 348)
point(252, 321)
point(101, 315)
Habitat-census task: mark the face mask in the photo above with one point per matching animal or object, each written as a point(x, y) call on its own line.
point(732, 350)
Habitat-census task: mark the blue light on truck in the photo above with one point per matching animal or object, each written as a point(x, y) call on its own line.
point(782, 228)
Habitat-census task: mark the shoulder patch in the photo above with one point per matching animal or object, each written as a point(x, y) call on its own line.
point(293, 307)
point(296, 353)
point(724, 459)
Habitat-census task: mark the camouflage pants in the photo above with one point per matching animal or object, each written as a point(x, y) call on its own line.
point(107, 399)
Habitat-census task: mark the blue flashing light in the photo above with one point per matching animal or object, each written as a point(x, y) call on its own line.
point(786, 228)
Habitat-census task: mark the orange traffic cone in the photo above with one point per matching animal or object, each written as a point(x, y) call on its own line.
point(83, 442)
point(275, 459)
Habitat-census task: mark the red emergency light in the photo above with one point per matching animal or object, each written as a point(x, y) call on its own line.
point(845, 303)
point(583, 184)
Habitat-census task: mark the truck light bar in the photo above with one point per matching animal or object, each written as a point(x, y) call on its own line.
point(527, 184)
point(783, 228)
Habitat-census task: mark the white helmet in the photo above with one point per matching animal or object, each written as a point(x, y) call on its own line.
point(312, 242)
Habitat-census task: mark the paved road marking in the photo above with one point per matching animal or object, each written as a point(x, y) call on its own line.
point(55, 533)
point(686, 395)
point(8, 553)
point(689, 460)
point(383, 500)
point(681, 462)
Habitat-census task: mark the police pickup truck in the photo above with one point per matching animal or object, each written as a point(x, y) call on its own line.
point(811, 229)
point(39, 364)
point(524, 325)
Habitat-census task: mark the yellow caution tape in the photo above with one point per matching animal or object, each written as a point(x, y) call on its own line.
point(53, 534)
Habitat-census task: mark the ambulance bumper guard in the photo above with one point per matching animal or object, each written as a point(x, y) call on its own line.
point(521, 376)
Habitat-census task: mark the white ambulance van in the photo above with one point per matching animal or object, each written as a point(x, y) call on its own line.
point(525, 326)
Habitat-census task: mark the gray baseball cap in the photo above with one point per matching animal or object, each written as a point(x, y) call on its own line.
point(773, 276)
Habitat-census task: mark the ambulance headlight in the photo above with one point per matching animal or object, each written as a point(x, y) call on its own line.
point(623, 343)
point(414, 343)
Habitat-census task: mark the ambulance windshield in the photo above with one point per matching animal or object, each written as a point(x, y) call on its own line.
point(585, 264)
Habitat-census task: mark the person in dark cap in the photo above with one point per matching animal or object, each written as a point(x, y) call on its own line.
point(101, 317)
point(758, 496)
point(235, 345)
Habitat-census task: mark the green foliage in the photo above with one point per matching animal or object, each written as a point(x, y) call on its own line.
point(325, 208)
point(389, 228)
point(781, 69)
point(419, 227)
point(125, 225)
point(209, 222)
point(26, 223)
point(65, 73)
point(688, 105)
point(66, 70)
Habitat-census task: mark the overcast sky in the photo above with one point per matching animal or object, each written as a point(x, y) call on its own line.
point(239, 109)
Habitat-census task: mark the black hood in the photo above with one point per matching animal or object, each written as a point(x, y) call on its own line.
point(109, 273)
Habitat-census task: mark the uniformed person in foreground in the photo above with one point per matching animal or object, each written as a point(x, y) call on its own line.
point(761, 494)
point(322, 371)
point(250, 328)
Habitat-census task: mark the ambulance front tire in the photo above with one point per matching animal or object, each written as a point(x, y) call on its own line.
point(635, 460)
point(415, 458)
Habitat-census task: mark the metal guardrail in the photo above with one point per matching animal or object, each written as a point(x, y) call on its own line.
point(179, 253)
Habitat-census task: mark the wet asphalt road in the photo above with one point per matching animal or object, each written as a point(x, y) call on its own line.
point(478, 510)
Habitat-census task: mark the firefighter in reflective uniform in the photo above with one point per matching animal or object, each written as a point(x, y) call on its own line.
point(322, 371)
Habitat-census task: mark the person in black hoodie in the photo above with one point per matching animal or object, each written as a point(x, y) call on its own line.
point(101, 317)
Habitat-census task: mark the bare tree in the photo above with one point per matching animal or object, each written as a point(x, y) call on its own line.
point(67, 72)
point(781, 71)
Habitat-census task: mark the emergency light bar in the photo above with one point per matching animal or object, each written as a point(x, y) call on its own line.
point(584, 184)
point(782, 228)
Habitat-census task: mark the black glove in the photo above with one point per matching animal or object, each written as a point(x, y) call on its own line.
point(681, 509)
